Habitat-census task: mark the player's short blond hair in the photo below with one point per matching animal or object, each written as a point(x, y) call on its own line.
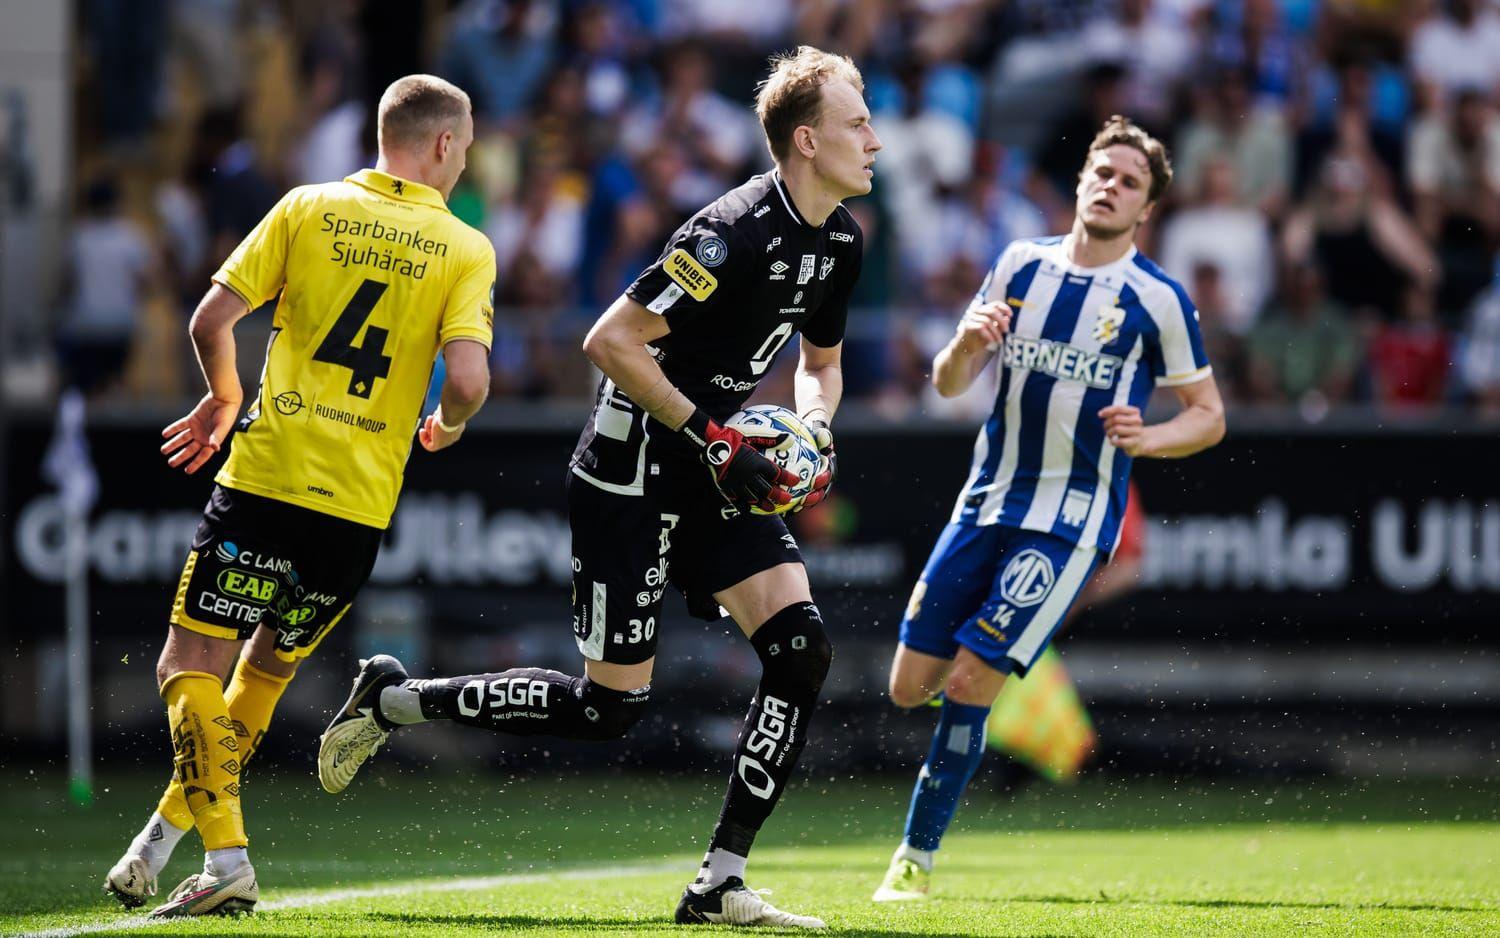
point(1121, 131)
point(418, 107)
point(792, 95)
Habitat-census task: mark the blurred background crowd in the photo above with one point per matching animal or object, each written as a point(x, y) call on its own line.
point(1335, 214)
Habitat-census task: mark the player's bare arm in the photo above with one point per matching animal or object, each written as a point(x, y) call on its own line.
point(819, 382)
point(974, 343)
point(617, 345)
point(466, 384)
point(193, 439)
point(1198, 426)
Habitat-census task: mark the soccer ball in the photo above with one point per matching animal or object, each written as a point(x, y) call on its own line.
point(797, 452)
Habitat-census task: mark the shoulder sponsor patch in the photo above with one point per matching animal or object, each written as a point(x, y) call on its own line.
point(690, 275)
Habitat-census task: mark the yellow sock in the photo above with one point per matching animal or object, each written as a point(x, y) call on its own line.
point(251, 699)
point(207, 756)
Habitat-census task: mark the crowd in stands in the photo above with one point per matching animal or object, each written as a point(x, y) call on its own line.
point(1335, 214)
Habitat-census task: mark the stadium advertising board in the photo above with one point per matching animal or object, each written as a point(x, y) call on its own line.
point(1287, 534)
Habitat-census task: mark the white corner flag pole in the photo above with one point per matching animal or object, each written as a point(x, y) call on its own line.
point(80, 741)
point(68, 466)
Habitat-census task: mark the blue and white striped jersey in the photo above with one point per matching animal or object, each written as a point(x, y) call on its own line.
point(1081, 339)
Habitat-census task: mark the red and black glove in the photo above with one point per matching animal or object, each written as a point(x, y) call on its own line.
point(744, 476)
point(828, 466)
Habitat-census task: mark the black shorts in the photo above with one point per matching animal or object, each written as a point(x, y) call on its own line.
point(627, 548)
point(258, 561)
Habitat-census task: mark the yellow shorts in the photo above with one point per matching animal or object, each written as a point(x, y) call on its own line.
point(257, 561)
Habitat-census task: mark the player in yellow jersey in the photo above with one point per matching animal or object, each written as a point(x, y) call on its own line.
point(373, 277)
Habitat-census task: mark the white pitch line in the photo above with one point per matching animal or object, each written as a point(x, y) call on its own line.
point(328, 897)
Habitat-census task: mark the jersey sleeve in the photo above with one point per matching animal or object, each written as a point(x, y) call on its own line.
point(1181, 358)
point(257, 268)
point(470, 311)
point(696, 270)
point(826, 327)
point(991, 289)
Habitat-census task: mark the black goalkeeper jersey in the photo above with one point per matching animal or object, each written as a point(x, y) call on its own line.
point(735, 284)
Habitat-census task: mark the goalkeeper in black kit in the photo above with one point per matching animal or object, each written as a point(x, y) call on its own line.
point(681, 351)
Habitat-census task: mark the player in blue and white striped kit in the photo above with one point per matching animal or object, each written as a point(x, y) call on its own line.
point(1084, 329)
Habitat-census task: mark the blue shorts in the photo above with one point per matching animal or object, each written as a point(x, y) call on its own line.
point(1000, 592)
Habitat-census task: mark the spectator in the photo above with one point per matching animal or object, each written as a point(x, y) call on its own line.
point(643, 221)
point(978, 220)
point(1361, 240)
point(112, 265)
point(1233, 238)
point(1456, 47)
point(499, 51)
point(718, 138)
point(724, 23)
point(242, 186)
point(1306, 351)
point(332, 146)
point(1359, 104)
point(1068, 140)
point(1225, 347)
point(1254, 139)
point(1153, 47)
point(1252, 39)
point(544, 225)
point(926, 155)
point(1481, 351)
point(1409, 359)
point(597, 36)
point(1454, 172)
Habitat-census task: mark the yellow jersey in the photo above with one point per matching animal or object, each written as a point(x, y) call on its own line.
point(374, 275)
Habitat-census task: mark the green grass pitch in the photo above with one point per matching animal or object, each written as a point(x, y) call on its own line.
point(410, 853)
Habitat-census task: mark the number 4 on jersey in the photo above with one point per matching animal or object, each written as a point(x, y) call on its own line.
point(368, 361)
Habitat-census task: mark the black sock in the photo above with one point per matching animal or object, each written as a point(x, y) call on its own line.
point(794, 654)
point(531, 702)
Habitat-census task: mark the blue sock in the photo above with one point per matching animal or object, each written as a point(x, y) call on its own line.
point(957, 747)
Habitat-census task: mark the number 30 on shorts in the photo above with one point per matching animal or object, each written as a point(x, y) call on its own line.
point(642, 630)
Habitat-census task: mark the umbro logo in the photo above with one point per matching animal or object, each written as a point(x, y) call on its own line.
point(779, 269)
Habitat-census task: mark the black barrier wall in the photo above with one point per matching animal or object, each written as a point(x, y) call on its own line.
point(1284, 568)
point(1318, 536)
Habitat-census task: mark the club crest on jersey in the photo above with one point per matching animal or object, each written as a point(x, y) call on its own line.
point(712, 251)
point(690, 275)
point(826, 269)
point(1107, 323)
point(1027, 579)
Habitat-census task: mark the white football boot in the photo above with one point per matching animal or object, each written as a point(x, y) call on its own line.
point(130, 881)
point(732, 903)
point(355, 733)
point(206, 894)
